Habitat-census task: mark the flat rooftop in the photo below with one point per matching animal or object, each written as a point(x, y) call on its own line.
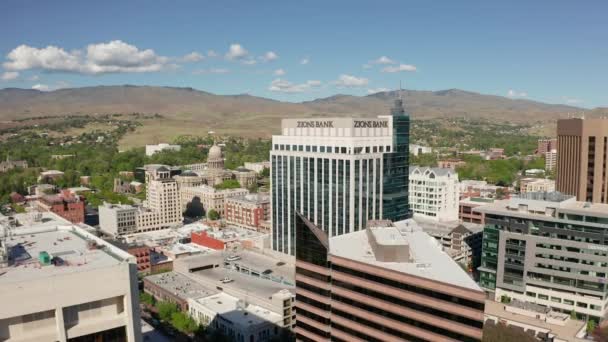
point(241, 283)
point(237, 311)
point(444, 227)
point(428, 260)
point(566, 205)
point(566, 332)
point(181, 285)
point(76, 249)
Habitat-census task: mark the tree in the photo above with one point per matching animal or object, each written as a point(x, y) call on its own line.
point(229, 184)
point(183, 323)
point(213, 215)
point(591, 325)
point(166, 310)
point(265, 172)
point(146, 298)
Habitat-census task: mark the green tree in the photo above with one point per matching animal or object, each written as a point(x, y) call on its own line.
point(228, 184)
point(146, 298)
point(265, 172)
point(166, 310)
point(213, 215)
point(183, 323)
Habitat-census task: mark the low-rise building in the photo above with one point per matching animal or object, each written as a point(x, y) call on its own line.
point(210, 197)
point(235, 318)
point(434, 192)
point(419, 149)
point(62, 283)
point(65, 204)
point(450, 163)
point(536, 185)
point(257, 167)
point(49, 176)
point(248, 211)
point(476, 188)
point(175, 287)
point(466, 212)
point(8, 164)
point(152, 149)
point(245, 177)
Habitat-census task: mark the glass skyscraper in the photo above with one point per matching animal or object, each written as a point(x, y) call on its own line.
point(339, 173)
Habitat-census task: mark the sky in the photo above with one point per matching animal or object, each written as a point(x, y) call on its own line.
point(551, 51)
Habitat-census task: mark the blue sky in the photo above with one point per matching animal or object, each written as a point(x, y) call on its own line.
point(552, 51)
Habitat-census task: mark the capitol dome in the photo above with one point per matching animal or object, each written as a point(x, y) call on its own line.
point(215, 152)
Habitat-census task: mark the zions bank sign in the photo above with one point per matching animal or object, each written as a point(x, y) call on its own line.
point(330, 124)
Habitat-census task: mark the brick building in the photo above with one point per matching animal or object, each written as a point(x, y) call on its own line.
point(65, 204)
point(248, 211)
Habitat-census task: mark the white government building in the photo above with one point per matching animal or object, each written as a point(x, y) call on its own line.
point(152, 149)
point(434, 193)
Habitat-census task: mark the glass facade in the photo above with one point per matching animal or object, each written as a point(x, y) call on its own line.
point(395, 202)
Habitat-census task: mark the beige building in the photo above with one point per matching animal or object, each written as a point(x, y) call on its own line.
point(160, 210)
point(550, 160)
point(536, 185)
point(65, 284)
point(258, 167)
point(582, 146)
point(210, 197)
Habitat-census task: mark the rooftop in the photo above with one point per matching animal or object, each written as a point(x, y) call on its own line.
point(547, 205)
point(237, 311)
point(180, 285)
point(426, 257)
point(445, 227)
point(76, 250)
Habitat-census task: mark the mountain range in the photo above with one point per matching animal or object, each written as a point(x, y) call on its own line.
point(242, 111)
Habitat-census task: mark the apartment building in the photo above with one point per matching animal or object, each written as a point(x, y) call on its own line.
point(434, 192)
point(548, 249)
point(389, 282)
point(248, 211)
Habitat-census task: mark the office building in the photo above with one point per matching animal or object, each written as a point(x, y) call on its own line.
point(546, 145)
point(548, 249)
point(466, 212)
point(581, 164)
point(339, 173)
point(389, 282)
point(248, 211)
point(62, 283)
point(434, 193)
point(536, 185)
point(152, 149)
point(550, 160)
point(160, 210)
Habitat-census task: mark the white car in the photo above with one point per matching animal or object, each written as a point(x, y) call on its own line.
point(226, 280)
point(233, 258)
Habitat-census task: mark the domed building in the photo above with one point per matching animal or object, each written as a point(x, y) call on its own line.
point(215, 172)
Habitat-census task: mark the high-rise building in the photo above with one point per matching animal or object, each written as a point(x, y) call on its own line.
point(339, 173)
point(546, 145)
point(547, 249)
point(434, 193)
point(389, 282)
point(550, 160)
point(582, 145)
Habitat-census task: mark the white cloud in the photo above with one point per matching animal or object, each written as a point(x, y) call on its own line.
point(211, 53)
point(113, 57)
point(250, 61)
point(383, 60)
point(305, 61)
point(514, 93)
point(377, 90)
point(34, 78)
point(236, 51)
point(41, 87)
point(9, 75)
point(399, 68)
point(279, 72)
point(211, 71)
point(284, 86)
point(269, 56)
point(193, 57)
point(351, 81)
point(366, 66)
